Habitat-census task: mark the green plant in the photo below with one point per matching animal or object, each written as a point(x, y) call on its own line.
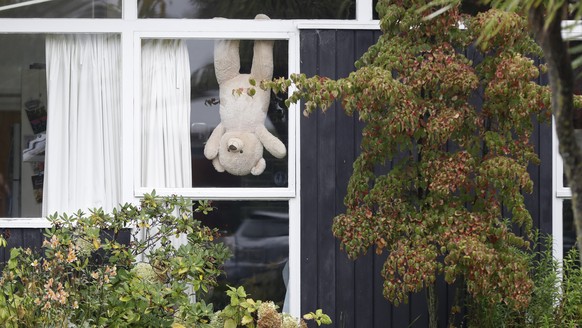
point(569, 311)
point(240, 310)
point(244, 311)
point(547, 23)
point(319, 317)
point(85, 276)
point(556, 299)
point(455, 136)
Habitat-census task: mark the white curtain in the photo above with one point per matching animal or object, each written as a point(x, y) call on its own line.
point(166, 154)
point(83, 153)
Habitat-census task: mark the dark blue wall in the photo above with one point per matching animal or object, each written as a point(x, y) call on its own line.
point(350, 291)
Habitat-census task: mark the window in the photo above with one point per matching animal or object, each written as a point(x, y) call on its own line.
point(65, 98)
point(202, 111)
point(564, 231)
point(60, 9)
point(23, 118)
point(251, 210)
point(257, 232)
point(247, 9)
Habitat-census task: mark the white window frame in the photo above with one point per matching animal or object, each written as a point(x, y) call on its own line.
point(560, 193)
point(132, 30)
point(572, 30)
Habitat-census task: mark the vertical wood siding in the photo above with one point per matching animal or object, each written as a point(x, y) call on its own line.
point(351, 291)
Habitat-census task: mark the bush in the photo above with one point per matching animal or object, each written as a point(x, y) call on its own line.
point(556, 299)
point(84, 277)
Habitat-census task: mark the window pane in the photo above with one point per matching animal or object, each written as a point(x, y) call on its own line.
point(204, 117)
point(248, 9)
point(258, 235)
point(575, 48)
point(77, 117)
point(23, 118)
point(60, 9)
point(569, 230)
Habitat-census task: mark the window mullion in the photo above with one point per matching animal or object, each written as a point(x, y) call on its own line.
point(129, 10)
point(127, 97)
point(364, 10)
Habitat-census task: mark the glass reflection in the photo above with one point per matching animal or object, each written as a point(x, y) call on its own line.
point(248, 9)
point(60, 8)
point(258, 235)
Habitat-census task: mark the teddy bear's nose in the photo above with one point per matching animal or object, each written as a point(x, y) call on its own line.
point(235, 144)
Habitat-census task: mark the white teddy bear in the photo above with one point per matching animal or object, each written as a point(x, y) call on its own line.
point(236, 144)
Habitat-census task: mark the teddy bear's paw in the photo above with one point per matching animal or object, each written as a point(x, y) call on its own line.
point(259, 168)
point(275, 147)
point(278, 150)
point(217, 166)
point(210, 152)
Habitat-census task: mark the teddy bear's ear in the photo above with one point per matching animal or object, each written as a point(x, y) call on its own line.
point(226, 60)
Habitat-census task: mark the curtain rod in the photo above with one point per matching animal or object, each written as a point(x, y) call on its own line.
point(22, 4)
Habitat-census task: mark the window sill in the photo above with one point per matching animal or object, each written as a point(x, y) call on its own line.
point(24, 223)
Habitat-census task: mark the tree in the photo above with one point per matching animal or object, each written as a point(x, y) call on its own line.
point(452, 196)
point(545, 18)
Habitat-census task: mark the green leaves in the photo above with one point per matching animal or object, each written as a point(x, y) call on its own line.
point(87, 276)
point(451, 134)
point(319, 317)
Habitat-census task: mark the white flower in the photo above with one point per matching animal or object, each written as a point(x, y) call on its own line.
point(145, 271)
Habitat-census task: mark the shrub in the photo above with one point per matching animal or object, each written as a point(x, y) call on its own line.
point(85, 277)
point(556, 299)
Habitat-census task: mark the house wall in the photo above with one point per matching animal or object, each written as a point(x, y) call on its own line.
point(34, 237)
point(351, 291)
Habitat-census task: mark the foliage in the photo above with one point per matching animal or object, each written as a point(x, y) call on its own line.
point(243, 311)
point(319, 317)
point(86, 276)
point(545, 21)
point(556, 299)
point(453, 191)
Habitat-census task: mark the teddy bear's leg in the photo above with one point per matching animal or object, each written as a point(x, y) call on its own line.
point(259, 167)
point(271, 143)
point(213, 142)
point(226, 60)
point(217, 166)
point(262, 68)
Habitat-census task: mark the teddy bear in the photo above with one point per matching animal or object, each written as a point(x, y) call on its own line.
point(236, 144)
